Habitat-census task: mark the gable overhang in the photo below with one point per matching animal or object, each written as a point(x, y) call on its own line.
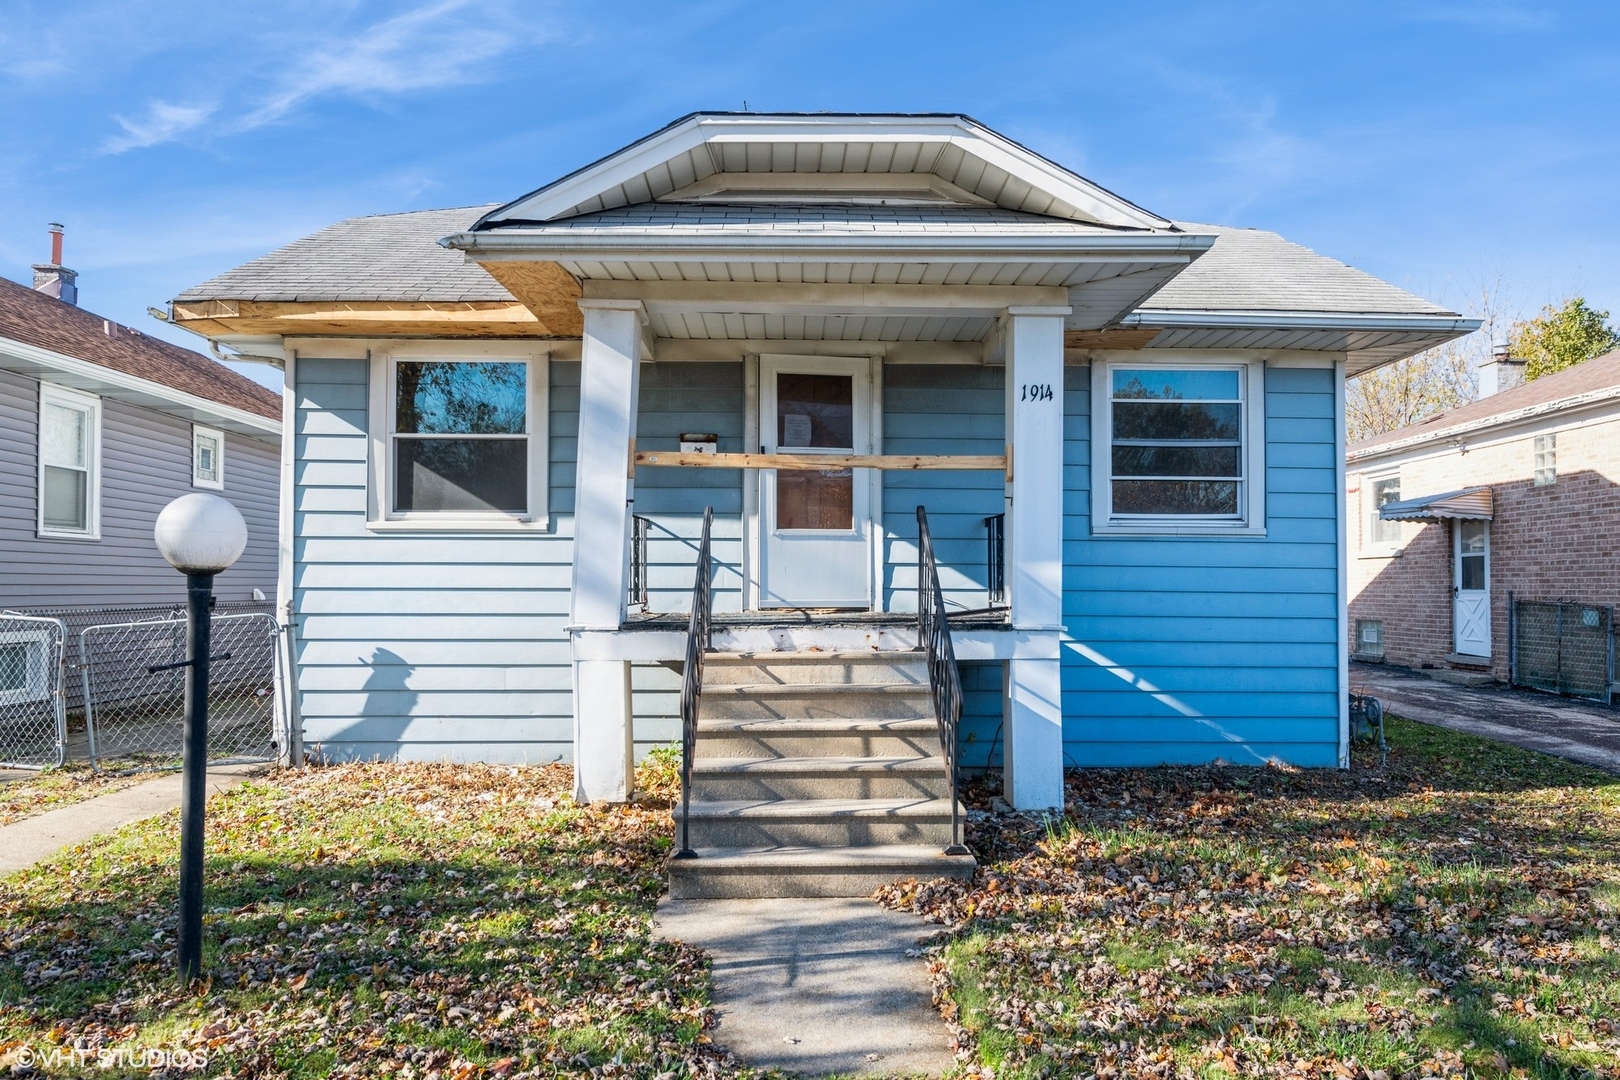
point(46, 365)
point(1100, 275)
point(1366, 339)
point(961, 151)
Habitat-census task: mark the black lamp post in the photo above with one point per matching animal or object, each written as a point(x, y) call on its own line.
point(200, 535)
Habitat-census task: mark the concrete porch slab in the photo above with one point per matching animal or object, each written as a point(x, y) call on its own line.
point(816, 986)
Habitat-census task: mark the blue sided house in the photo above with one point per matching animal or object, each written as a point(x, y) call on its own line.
point(847, 450)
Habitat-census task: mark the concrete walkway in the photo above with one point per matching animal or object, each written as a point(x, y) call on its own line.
point(1570, 728)
point(26, 842)
point(816, 986)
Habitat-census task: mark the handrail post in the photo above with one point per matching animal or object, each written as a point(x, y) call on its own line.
point(699, 639)
point(944, 680)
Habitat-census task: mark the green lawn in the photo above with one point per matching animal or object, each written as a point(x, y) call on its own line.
point(424, 921)
point(1455, 914)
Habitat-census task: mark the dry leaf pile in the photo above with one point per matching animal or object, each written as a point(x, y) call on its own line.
point(430, 922)
point(1454, 915)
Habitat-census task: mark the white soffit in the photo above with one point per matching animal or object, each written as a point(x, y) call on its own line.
point(706, 155)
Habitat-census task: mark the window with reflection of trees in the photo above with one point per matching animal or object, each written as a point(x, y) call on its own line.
point(461, 436)
point(1177, 442)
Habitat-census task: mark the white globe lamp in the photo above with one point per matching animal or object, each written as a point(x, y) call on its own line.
point(201, 535)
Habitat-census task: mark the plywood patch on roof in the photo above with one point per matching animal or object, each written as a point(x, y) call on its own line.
point(547, 290)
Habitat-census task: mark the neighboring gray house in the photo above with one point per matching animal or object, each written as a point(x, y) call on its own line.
point(100, 427)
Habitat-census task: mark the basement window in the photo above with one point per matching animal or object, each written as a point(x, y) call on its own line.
point(24, 667)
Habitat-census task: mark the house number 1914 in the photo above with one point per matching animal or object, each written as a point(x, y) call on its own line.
point(1037, 391)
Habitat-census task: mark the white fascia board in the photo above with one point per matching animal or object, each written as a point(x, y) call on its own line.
point(523, 245)
point(559, 197)
point(1590, 400)
point(37, 363)
point(1300, 320)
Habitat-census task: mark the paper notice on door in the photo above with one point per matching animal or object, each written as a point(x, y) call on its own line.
point(795, 429)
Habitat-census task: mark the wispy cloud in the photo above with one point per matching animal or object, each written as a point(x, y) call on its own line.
point(1500, 16)
point(162, 123)
point(432, 46)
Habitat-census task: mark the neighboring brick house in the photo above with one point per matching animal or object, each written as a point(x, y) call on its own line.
point(1517, 493)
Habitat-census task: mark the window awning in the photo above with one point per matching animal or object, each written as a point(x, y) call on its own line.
point(1471, 504)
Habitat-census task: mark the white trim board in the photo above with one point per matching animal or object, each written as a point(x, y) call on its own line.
point(86, 377)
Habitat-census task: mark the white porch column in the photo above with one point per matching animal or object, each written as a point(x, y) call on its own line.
point(609, 388)
point(1033, 712)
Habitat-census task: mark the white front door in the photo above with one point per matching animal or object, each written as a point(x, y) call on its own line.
point(1471, 587)
point(815, 525)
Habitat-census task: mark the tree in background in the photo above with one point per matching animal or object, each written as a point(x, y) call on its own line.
point(1421, 386)
point(1561, 337)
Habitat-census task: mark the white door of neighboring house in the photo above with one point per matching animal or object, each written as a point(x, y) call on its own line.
point(815, 525)
point(1471, 587)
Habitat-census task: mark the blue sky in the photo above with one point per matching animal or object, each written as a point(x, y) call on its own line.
point(1444, 145)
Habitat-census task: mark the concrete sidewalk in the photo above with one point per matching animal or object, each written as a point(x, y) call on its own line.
point(1582, 731)
point(26, 842)
point(817, 986)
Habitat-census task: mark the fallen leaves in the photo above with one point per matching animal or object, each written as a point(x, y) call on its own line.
point(1278, 923)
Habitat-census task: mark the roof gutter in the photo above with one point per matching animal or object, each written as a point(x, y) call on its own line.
point(1167, 319)
point(82, 374)
point(1590, 399)
point(518, 245)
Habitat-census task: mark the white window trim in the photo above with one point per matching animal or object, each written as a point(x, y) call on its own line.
point(1370, 548)
point(197, 480)
point(50, 393)
point(380, 425)
point(38, 680)
point(1253, 521)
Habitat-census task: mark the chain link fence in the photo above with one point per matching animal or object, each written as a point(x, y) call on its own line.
point(134, 695)
point(1563, 648)
point(33, 722)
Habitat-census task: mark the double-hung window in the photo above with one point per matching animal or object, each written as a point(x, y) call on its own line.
point(1178, 448)
point(1383, 490)
point(69, 463)
point(207, 458)
point(463, 442)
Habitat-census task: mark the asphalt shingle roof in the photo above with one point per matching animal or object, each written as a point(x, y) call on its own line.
point(1595, 375)
point(382, 257)
point(397, 256)
point(36, 319)
point(1254, 270)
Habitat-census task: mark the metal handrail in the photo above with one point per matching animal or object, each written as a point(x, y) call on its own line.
point(639, 527)
point(699, 632)
point(944, 680)
point(995, 529)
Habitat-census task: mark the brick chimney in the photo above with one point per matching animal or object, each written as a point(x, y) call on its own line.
point(1501, 372)
point(54, 279)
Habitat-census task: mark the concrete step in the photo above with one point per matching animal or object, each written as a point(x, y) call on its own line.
point(829, 823)
point(819, 778)
point(797, 871)
point(815, 668)
point(776, 701)
point(825, 737)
